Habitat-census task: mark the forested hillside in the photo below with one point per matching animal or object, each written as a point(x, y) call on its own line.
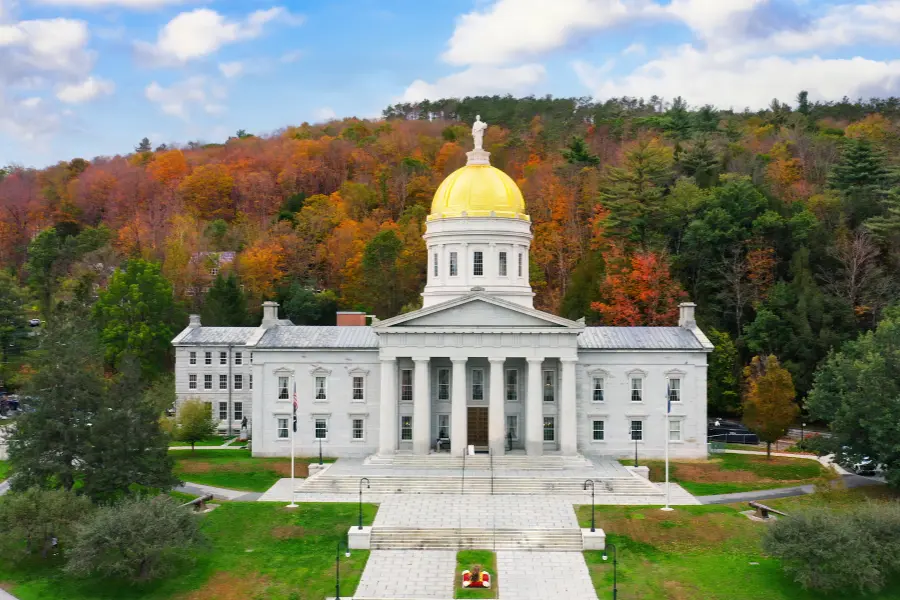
point(783, 225)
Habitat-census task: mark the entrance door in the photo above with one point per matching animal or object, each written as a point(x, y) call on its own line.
point(478, 426)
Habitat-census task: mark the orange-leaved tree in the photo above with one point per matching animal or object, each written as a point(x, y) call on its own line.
point(769, 407)
point(638, 290)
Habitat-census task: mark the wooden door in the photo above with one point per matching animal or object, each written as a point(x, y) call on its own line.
point(478, 426)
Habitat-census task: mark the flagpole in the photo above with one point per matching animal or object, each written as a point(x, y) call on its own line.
point(666, 432)
point(293, 434)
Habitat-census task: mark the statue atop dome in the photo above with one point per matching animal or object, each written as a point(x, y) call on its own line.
point(478, 132)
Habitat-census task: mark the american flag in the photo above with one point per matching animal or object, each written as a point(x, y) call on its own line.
point(668, 400)
point(295, 407)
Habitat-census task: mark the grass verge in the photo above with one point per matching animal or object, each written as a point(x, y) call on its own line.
point(235, 469)
point(256, 551)
point(215, 440)
point(4, 470)
point(710, 552)
point(729, 473)
point(465, 559)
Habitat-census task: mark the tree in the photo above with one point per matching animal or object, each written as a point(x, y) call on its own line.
point(139, 538)
point(380, 273)
point(579, 154)
point(722, 379)
point(304, 306)
point(144, 146)
point(803, 103)
point(855, 275)
point(195, 421)
point(856, 391)
point(13, 324)
point(31, 520)
point(44, 252)
point(137, 315)
point(769, 407)
point(584, 285)
point(225, 304)
point(862, 178)
point(207, 192)
point(701, 163)
point(638, 291)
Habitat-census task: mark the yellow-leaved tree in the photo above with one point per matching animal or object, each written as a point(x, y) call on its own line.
point(769, 407)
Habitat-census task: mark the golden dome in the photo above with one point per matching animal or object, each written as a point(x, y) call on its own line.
point(478, 190)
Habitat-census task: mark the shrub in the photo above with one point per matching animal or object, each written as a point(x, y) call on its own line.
point(30, 520)
point(140, 539)
point(195, 421)
point(828, 550)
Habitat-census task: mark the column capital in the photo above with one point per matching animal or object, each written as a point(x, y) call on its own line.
point(495, 360)
point(421, 359)
point(388, 360)
point(457, 361)
point(534, 361)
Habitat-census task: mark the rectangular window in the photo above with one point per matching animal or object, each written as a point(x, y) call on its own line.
point(435, 264)
point(238, 381)
point(238, 358)
point(359, 392)
point(282, 428)
point(223, 411)
point(283, 393)
point(406, 385)
point(598, 389)
point(520, 264)
point(512, 427)
point(207, 358)
point(238, 411)
point(675, 430)
point(207, 382)
point(454, 265)
point(321, 392)
point(549, 429)
point(502, 264)
point(443, 384)
point(674, 390)
point(193, 358)
point(223, 382)
point(597, 431)
point(406, 428)
point(192, 381)
point(477, 384)
point(223, 358)
point(443, 423)
point(637, 389)
point(250, 381)
point(549, 386)
point(321, 429)
point(478, 263)
point(637, 431)
point(512, 385)
point(359, 429)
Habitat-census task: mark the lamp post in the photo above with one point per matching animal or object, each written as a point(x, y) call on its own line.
point(635, 451)
point(591, 482)
point(337, 568)
point(606, 556)
point(366, 479)
point(320, 451)
point(802, 425)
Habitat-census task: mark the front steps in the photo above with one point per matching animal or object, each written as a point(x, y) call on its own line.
point(481, 462)
point(543, 540)
point(479, 484)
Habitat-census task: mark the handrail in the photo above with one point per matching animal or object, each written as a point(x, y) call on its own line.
point(491, 456)
point(462, 490)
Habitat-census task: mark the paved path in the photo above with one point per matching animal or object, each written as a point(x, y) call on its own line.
point(198, 489)
point(4, 487)
point(825, 461)
point(543, 576)
point(850, 481)
point(408, 574)
point(4, 595)
point(480, 512)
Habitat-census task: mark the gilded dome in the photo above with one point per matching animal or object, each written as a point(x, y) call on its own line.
point(478, 190)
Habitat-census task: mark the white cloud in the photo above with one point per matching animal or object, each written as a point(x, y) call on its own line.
point(179, 98)
point(30, 120)
point(87, 90)
point(512, 30)
point(56, 46)
point(292, 56)
point(637, 49)
point(201, 32)
point(231, 69)
point(134, 4)
point(326, 113)
point(478, 80)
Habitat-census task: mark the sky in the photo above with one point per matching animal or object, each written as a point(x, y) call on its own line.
point(86, 78)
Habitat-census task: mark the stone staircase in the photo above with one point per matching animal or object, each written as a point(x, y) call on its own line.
point(481, 462)
point(478, 484)
point(544, 540)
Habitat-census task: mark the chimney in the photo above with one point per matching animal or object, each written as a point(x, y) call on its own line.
point(270, 314)
point(193, 321)
point(686, 315)
point(351, 319)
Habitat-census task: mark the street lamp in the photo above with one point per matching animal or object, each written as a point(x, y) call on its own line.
point(802, 425)
point(320, 451)
point(591, 482)
point(337, 568)
point(614, 555)
point(368, 487)
point(635, 452)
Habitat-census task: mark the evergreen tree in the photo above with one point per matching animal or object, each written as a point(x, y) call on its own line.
point(678, 121)
point(44, 253)
point(862, 178)
point(13, 324)
point(225, 304)
point(706, 119)
point(584, 288)
point(722, 380)
point(803, 103)
point(578, 153)
point(304, 306)
point(701, 163)
point(143, 146)
point(380, 273)
point(886, 226)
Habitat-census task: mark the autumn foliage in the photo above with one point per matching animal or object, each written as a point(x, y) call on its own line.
point(769, 407)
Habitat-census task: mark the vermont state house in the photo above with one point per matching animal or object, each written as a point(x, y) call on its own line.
point(476, 366)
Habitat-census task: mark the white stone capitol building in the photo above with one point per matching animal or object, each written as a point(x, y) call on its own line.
point(477, 365)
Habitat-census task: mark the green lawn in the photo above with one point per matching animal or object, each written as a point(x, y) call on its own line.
point(465, 559)
point(235, 469)
point(215, 440)
point(257, 551)
point(709, 552)
point(728, 473)
point(4, 470)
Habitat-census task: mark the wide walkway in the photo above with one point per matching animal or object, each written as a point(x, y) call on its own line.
point(543, 576)
point(475, 512)
point(408, 574)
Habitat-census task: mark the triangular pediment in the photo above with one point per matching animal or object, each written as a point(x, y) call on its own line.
point(478, 310)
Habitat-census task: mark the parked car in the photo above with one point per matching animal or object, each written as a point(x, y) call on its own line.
point(730, 432)
point(34, 322)
point(861, 465)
